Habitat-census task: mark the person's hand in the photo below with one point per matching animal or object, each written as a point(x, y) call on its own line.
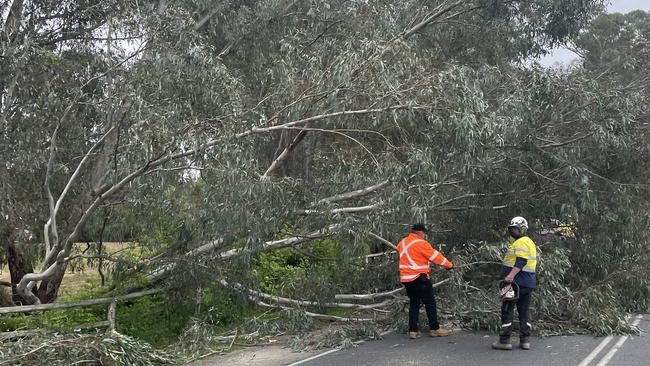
point(509, 279)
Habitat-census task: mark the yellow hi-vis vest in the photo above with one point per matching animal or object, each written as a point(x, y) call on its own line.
point(523, 248)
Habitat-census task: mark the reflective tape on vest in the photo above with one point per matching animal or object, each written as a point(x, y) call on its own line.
point(409, 277)
point(413, 267)
point(405, 252)
point(530, 270)
point(434, 256)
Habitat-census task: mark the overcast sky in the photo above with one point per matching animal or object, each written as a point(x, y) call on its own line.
point(564, 56)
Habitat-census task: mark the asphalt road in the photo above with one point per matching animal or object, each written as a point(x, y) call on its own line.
point(466, 348)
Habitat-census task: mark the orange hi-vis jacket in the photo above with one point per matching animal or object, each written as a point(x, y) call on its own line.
point(414, 257)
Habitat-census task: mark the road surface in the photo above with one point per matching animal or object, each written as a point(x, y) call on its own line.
point(467, 348)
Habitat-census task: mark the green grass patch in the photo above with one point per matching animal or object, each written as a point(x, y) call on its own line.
point(154, 319)
point(64, 319)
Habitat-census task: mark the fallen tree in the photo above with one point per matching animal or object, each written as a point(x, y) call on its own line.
point(361, 126)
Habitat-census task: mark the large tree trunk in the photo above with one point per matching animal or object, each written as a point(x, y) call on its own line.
point(48, 291)
point(17, 259)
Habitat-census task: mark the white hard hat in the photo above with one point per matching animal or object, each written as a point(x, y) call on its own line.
point(519, 222)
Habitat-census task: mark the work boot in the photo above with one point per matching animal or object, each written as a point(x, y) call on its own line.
point(440, 332)
point(413, 335)
point(524, 344)
point(502, 346)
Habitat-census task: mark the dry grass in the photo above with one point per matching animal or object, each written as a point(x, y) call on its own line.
point(110, 247)
point(77, 282)
point(73, 283)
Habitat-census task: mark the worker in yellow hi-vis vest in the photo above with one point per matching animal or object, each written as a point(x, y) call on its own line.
point(518, 267)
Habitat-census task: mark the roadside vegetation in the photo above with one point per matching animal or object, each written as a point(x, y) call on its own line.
point(254, 162)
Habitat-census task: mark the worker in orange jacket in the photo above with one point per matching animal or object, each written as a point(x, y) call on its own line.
point(415, 253)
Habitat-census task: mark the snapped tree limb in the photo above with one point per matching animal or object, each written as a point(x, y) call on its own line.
point(287, 301)
point(380, 295)
point(341, 210)
point(164, 271)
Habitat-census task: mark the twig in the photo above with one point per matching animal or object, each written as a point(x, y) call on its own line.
point(335, 211)
point(354, 194)
point(233, 340)
point(323, 116)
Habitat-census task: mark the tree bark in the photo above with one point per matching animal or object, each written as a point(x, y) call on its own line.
point(48, 290)
point(12, 24)
point(76, 304)
point(295, 166)
point(18, 261)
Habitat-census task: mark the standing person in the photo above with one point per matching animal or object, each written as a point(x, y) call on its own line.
point(415, 253)
point(518, 266)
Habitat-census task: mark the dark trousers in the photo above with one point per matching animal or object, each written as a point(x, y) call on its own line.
point(507, 315)
point(420, 291)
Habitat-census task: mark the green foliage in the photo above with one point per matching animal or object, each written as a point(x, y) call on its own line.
point(317, 264)
point(278, 268)
point(464, 136)
point(66, 348)
point(614, 42)
point(152, 319)
point(322, 270)
point(598, 310)
point(149, 319)
point(343, 337)
point(225, 309)
point(224, 318)
point(273, 322)
point(65, 319)
point(5, 297)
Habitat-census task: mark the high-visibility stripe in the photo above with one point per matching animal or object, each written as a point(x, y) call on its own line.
point(519, 249)
point(409, 277)
point(444, 261)
point(521, 253)
point(434, 256)
point(525, 248)
point(506, 325)
point(525, 269)
point(413, 267)
point(405, 252)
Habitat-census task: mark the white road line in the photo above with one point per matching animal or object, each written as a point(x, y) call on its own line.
point(314, 357)
point(330, 351)
point(596, 351)
point(618, 345)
